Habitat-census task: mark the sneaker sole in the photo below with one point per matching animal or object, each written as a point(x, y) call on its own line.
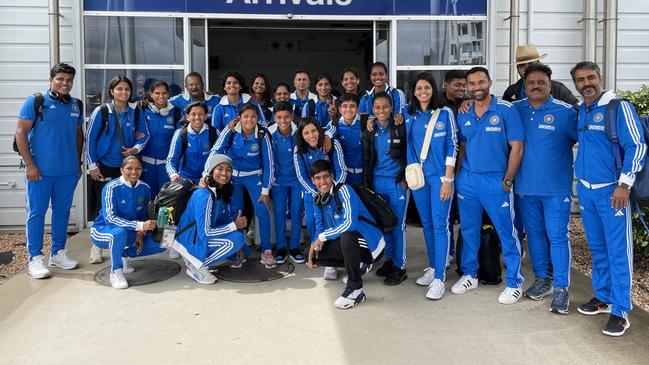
point(395, 283)
point(463, 292)
point(616, 334)
point(51, 264)
point(559, 311)
point(191, 275)
point(435, 298)
point(599, 311)
point(539, 297)
point(44, 276)
point(353, 305)
point(296, 261)
point(422, 283)
point(95, 260)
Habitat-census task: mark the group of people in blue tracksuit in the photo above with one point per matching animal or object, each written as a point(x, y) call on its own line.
point(310, 155)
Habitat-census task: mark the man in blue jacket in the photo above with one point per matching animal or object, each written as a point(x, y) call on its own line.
point(491, 143)
point(347, 235)
point(544, 184)
point(50, 141)
point(604, 191)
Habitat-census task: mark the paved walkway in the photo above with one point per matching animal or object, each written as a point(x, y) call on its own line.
point(70, 319)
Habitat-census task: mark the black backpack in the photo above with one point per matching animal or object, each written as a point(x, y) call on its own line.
point(174, 194)
point(184, 141)
point(640, 190)
point(39, 100)
point(489, 269)
point(383, 216)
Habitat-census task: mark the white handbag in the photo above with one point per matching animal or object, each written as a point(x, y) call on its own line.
point(414, 171)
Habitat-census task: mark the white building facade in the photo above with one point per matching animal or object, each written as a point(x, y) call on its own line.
point(165, 39)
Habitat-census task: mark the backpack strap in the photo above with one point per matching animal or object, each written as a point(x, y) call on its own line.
point(312, 110)
point(177, 117)
point(230, 141)
point(39, 100)
point(610, 120)
point(104, 118)
point(184, 143)
point(261, 132)
point(214, 135)
point(339, 204)
point(118, 124)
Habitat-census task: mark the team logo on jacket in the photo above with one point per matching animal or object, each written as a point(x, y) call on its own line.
point(75, 107)
point(549, 118)
point(254, 148)
point(598, 117)
point(494, 120)
point(439, 126)
point(170, 120)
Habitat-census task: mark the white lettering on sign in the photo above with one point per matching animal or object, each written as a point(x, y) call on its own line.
point(295, 2)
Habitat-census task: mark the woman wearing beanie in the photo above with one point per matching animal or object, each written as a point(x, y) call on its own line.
point(208, 231)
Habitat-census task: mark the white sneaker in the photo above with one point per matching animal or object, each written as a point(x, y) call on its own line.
point(435, 290)
point(464, 284)
point(330, 273)
point(200, 275)
point(37, 269)
point(427, 278)
point(95, 255)
point(173, 254)
point(126, 268)
point(350, 298)
point(510, 295)
point(62, 260)
point(117, 280)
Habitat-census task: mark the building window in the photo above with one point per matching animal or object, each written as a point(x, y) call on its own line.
point(428, 43)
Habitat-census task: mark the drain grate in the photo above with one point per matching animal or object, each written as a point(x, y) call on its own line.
point(253, 272)
point(147, 271)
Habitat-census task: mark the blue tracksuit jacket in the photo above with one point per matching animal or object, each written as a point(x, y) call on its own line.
point(106, 148)
point(303, 162)
point(224, 112)
point(182, 100)
point(191, 165)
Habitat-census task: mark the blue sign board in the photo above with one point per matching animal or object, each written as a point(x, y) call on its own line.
point(302, 7)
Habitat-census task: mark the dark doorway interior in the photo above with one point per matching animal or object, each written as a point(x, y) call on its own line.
point(278, 48)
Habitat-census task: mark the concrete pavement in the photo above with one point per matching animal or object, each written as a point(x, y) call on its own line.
point(69, 319)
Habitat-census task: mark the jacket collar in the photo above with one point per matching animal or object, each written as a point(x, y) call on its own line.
point(244, 98)
point(123, 180)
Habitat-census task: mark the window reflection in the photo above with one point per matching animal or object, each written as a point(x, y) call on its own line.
point(440, 42)
point(133, 40)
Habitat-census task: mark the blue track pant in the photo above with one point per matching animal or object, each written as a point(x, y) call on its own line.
point(395, 240)
point(281, 195)
point(434, 215)
point(218, 250)
point(58, 189)
point(546, 220)
point(121, 243)
point(253, 185)
point(353, 178)
point(611, 244)
point(309, 215)
point(155, 176)
point(476, 192)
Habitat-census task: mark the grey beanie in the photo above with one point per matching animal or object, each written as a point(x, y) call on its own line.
point(215, 160)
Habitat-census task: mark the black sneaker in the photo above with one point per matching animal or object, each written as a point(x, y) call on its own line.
point(395, 277)
point(280, 256)
point(350, 298)
point(384, 270)
point(616, 326)
point(595, 306)
point(296, 256)
point(560, 301)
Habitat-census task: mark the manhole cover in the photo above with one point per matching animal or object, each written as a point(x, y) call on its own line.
point(146, 272)
point(6, 257)
point(254, 272)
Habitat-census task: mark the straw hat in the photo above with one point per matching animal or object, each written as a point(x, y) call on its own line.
point(527, 53)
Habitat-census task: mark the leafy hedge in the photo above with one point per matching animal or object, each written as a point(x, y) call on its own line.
point(640, 99)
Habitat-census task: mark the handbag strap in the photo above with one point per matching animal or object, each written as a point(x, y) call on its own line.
point(429, 135)
point(118, 126)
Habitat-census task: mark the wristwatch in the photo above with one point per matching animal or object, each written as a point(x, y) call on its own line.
point(448, 179)
point(624, 185)
point(509, 183)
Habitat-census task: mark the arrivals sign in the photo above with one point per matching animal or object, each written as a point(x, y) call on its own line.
point(301, 7)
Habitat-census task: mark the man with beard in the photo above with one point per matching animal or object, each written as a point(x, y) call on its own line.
point(194, 91)
point(605, 181)
point(491, 148)
point(544, 184)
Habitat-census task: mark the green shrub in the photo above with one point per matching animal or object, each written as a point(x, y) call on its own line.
point(640, 99)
